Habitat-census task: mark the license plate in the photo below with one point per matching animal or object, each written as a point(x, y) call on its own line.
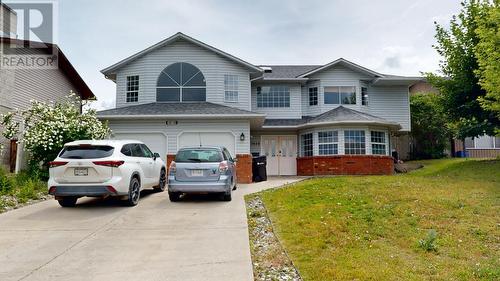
point(196, 173)
point(81, 171)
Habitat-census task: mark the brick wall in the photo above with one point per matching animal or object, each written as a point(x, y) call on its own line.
point(243, 167)
point(345, 165)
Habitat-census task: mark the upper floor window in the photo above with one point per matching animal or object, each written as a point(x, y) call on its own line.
point(273, 96)
point(354, 142)
point(306, 144)
point(328, 143)
point(313, 96)
point(378, 142)
point(180, 82)
point(231, 88)
point(364, 96)
point(132, 88)
point(340, 95)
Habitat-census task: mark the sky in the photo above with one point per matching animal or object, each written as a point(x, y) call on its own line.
point(393, 37)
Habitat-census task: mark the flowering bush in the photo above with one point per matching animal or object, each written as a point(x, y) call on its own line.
point(46, 127)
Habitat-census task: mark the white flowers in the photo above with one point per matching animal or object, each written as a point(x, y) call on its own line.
point(47, 126)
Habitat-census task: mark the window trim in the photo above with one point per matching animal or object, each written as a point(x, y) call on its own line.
point(180, 87)
point(302, 145)
point(384, 134)
point(271, 102)
point(339, 94)
point(129, 91)
point(335, 144)
point(234, 90)
point(362, 143)
point(313, 101)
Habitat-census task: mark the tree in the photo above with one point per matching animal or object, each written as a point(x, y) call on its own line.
point(487, 52)
point(46, 127)
point(429, 136)
point(458, 84)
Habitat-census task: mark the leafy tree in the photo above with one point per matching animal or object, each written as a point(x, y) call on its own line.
point(487, 52)
point(458, 83)
point(429, 136)
point(46, 127)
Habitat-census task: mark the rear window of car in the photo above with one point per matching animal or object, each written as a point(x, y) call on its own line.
point(198, 155)
point(86, 151)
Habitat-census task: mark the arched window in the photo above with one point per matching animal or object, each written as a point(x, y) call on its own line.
point(180, 82)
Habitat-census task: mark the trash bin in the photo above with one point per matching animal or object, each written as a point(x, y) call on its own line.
point(259, 164)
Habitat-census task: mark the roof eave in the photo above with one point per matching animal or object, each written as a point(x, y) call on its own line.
point(184, 116)
point(342, 60)
point(109, 70)
point(402, 81)
point(393, 126)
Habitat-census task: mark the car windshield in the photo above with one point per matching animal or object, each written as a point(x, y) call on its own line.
point(86, 151)
point(198, 155)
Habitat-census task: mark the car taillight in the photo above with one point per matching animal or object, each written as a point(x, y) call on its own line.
point(54, 164)
point(172, 168)
point(111, 189)
point(223, 167)
point(109, 163)
point(52, 190)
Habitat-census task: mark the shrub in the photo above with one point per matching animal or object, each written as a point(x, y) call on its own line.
point(7, 184)
point(429, 242)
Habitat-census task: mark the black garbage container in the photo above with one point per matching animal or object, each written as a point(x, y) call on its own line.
point(259, 164)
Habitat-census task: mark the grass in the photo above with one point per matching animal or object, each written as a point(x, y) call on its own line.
point(441, 222)
point(18, 189)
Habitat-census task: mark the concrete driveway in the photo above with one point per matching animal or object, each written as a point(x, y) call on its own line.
point(196, 239)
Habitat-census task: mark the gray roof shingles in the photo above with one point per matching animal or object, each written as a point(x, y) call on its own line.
point(287, 71)
point(339, 114)
point(185, 108)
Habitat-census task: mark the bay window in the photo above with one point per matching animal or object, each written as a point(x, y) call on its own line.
point(328, 143)
point(378, 141)
point(354, 142)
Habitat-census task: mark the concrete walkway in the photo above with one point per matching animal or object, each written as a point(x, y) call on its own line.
point(199, 238)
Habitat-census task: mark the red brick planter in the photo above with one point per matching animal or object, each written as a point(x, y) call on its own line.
point(243, 167)
point(345, 165)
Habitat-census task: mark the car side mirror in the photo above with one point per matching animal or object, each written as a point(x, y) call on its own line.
point(156, 155)
point(235, 160)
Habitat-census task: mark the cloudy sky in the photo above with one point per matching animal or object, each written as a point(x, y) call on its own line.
point(392, 37)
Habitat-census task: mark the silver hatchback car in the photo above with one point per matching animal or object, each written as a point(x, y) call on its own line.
point(206, 169)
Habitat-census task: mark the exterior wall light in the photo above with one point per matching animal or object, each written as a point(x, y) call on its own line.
point(242, 137)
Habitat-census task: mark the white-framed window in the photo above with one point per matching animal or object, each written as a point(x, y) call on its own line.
point(354, 142)
point(306, 145)
point(230, 88)
point(273, 96)
point(328, 143)
point(378, 141)
point(364, 96)
point(181, 82)
point(340, 95)
point(313, 96)
point(132, 88)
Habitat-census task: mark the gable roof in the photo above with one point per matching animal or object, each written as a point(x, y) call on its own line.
point(64, 65)
point(179, 35)
point(338, 115)
point(177, 110)
point(345, 62)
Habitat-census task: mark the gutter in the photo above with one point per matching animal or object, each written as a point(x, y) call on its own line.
point(186, 116)
point(306, 125)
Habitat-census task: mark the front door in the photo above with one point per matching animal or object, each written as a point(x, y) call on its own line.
point(281, 153)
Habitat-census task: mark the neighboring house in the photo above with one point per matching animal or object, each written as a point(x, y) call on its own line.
point(479, 147)
point(20, 85)
point(338, 118)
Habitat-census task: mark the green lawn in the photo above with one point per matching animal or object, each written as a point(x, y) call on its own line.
point(369, 227)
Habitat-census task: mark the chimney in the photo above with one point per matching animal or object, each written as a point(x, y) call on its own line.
point(8, 21)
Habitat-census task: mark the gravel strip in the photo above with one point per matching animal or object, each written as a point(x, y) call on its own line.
point(9, 202)
point(270, 261)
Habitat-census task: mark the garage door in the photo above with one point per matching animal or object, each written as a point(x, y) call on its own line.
point(156, 142)
point(217, 139)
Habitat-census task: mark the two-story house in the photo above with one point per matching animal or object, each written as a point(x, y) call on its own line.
point(336, 118)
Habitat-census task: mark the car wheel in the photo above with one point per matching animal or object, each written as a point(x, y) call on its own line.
point(226, 196)
point(235, 186)
point(163, 181)
point(174, 196)
point(134, 192)
point(67, 201)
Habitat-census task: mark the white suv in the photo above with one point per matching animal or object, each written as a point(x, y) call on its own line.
point(102, 168)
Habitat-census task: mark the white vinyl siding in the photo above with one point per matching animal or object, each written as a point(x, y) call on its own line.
point(391, 103)
point(213, 67)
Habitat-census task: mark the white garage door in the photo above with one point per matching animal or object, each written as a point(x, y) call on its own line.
point(156, 142)
point(216, 139)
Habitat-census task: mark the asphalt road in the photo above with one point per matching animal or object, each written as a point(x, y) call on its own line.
point(199, 238)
